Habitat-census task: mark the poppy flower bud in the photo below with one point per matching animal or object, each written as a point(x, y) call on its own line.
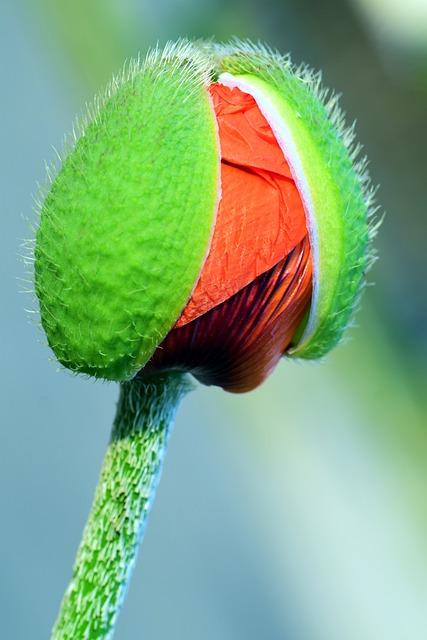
point(210, 218)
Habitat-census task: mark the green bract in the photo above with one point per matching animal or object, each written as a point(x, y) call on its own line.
point(319, 151)
point(128, 220)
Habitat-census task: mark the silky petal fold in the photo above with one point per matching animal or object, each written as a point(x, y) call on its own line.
point(260, 215)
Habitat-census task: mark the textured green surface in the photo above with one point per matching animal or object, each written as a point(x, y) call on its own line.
point(127, 222)
point(131, 469)
point(339, 230)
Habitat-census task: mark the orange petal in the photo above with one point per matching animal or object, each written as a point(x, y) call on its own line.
point(260, 216)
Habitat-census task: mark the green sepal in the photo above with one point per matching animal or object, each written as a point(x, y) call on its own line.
point(333, 187)
point(126, 225)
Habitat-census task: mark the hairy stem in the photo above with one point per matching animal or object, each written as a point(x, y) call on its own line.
point(114, 530)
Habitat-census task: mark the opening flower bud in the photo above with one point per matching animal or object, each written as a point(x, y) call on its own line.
point(211, 217)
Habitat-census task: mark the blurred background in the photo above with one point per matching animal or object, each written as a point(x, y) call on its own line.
point(298, 511)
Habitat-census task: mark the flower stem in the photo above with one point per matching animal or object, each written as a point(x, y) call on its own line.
point(114, 530)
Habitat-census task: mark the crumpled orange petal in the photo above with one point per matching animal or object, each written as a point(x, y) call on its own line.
point(260, 216)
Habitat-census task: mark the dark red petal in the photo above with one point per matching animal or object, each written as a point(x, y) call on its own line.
point(238, 343)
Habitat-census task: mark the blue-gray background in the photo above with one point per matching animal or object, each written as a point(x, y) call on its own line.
point(297, 511)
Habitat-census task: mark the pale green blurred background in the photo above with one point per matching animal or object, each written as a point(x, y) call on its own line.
point(298, 511)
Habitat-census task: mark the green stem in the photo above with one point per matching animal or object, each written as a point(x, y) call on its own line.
point(114, 530)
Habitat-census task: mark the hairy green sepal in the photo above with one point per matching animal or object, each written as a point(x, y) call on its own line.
point(126, 225)
point(330, 186)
